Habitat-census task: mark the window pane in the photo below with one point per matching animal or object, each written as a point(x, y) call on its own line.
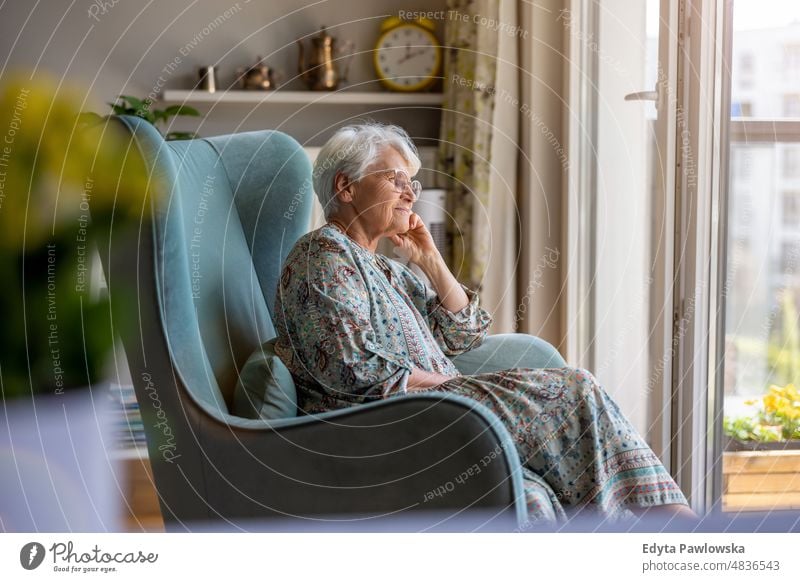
point(762, 287)
point(766, 59)
point(791, 209)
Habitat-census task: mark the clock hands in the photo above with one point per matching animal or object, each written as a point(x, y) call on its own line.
point(411, 55)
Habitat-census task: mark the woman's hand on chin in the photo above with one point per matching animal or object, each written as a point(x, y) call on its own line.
point(416, 243)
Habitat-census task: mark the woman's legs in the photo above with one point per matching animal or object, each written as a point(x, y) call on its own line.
point(596, 458)
point(571, 433)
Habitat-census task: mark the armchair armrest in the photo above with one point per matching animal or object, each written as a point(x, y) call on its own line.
point(509, 350)
point(426, 451)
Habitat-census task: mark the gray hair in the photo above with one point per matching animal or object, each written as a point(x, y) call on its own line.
point(351, 150)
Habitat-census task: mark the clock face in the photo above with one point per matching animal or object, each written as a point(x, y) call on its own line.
point(407, 57)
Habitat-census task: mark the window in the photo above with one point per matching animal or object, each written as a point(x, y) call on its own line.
point(762, 279)
point(746, 62)
point(791, 105)
point(741, 109)
point(791, 162)
point(741, 164)
point(745, 211)
point(791, 209)
point(791, 58)
point(790, 251)
point(744, 73)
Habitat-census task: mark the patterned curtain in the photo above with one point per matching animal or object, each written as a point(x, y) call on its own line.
point(470, 70)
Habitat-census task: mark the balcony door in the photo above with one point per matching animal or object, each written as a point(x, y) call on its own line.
point(620, 204)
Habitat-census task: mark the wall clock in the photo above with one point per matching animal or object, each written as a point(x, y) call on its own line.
point(407, 54)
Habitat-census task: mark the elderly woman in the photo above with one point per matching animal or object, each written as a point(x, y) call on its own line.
point(354, 326)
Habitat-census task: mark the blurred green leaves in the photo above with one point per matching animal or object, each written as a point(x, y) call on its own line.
point(66, 178)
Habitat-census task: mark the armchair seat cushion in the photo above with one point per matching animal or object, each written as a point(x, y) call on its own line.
point(509, 350)
point(265, 388)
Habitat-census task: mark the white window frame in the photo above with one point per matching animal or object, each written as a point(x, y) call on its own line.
point(701, 178)
point(579, 207)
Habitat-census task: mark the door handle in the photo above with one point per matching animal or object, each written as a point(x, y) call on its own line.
point(642, 96)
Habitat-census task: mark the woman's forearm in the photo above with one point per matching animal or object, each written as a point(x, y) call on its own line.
point(451, 295)
point(420, 379)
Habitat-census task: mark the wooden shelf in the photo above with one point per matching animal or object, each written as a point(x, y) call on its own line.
point(304, 97)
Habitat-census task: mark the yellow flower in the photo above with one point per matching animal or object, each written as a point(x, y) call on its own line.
point(771, 402)
point(50, 160)
point(778, 390)
point(783, 402)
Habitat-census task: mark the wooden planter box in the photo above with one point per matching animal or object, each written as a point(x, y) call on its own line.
point(760, 480)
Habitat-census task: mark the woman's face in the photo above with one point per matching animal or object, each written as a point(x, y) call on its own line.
point(380, 207)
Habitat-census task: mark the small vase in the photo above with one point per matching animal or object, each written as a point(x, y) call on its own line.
point(56, 473)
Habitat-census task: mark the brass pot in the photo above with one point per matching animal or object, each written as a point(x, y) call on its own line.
point(319, 71)
point(258, 77)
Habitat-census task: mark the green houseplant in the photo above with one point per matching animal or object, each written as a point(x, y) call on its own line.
point(143, 108)
point(62, 185)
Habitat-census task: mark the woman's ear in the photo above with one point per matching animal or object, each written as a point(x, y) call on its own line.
point(343, 187)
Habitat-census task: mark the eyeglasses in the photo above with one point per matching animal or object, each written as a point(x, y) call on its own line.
point(402, 181)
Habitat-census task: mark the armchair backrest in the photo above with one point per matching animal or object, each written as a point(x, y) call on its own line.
point(197, 277)
point(231, 209)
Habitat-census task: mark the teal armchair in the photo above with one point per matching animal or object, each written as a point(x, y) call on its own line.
point(203, 268)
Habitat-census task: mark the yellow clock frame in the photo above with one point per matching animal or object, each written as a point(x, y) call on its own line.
point(426, 27)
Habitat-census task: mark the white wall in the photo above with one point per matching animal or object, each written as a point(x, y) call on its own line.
point(125, 48)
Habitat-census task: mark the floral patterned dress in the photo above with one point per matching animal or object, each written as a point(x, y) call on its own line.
point(352, 325)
